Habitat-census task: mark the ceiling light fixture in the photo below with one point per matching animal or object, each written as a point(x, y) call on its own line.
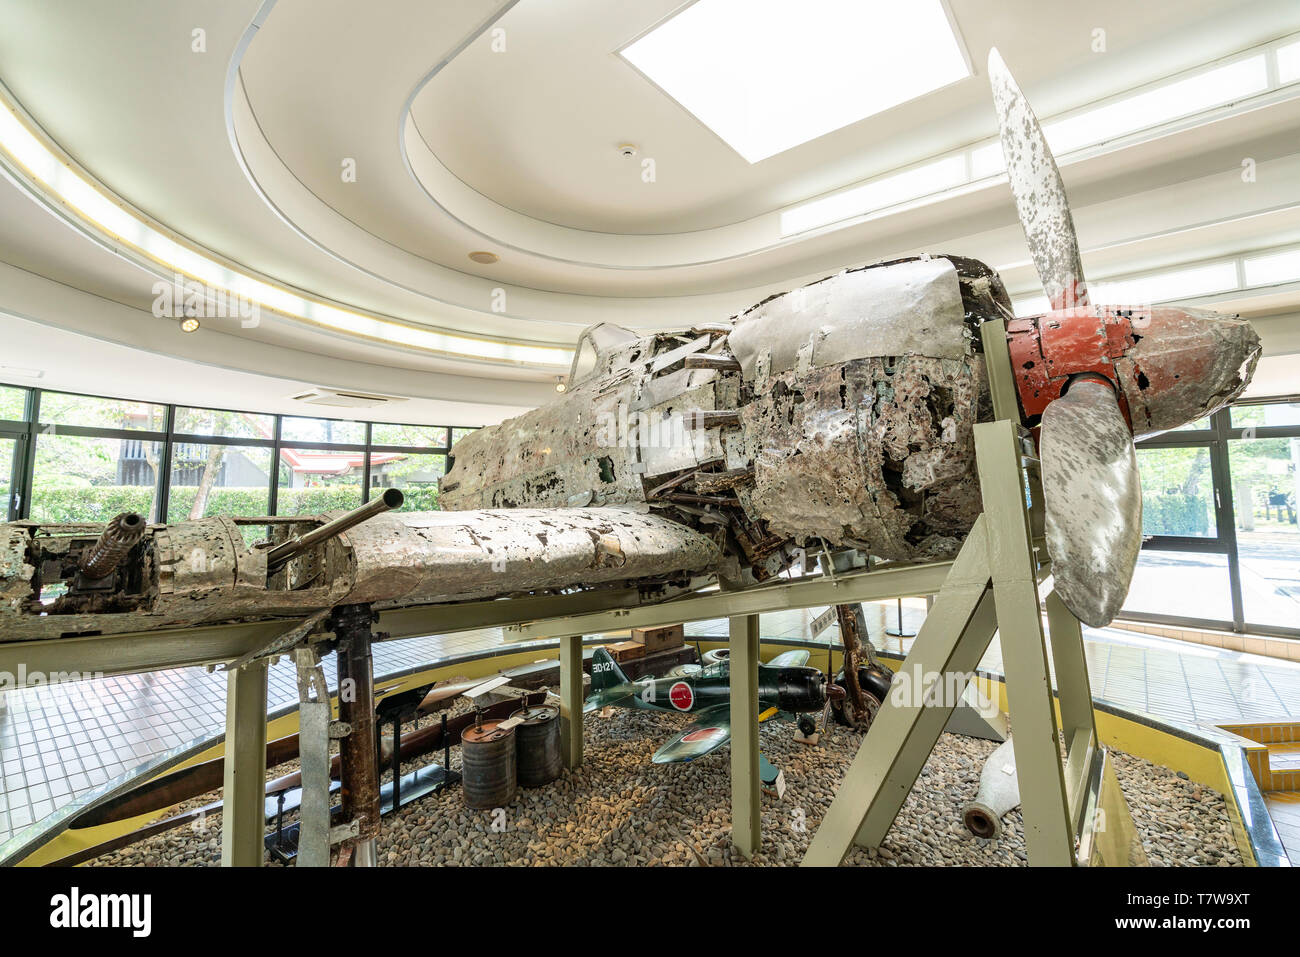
point(189, 324)
point(21, 372)
point(768, 75)
point(560, 385)
point(484, 257)
point(33, 163)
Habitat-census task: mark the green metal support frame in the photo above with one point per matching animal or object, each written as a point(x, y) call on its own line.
point(244, 814)
point(746, 798)
point(571, 699)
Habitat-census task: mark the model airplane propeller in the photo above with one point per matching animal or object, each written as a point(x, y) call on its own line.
point(838, 417)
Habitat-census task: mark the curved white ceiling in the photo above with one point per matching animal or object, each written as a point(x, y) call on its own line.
point(240, 150)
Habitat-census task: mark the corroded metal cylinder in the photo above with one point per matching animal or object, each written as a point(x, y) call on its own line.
point(122, 534)
point(538, 759)
point(487, 766)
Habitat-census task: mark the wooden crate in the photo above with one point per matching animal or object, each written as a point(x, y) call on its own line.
point(658, 639)
point(626, 650)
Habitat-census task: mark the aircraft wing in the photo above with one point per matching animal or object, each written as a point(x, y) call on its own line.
point(602, 699)
point(790, 659)
point(391, 560)
point(711, 729)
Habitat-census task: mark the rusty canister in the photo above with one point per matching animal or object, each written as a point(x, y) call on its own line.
point(537, 752)
point(487, 765)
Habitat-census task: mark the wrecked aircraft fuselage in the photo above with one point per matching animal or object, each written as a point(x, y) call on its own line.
point(839, 415)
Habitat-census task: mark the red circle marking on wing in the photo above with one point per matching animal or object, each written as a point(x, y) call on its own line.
point(704, 734)
point(682, 696)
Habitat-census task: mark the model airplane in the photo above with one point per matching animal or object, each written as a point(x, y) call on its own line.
point(783, 683)
point(836, 416)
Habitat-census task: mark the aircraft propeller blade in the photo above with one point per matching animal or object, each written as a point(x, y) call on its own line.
point(1040, 194)
point(1093, 498)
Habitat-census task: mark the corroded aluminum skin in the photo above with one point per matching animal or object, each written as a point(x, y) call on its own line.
point(1094, 501)
point(452, 556)
point(202, 572)
point(1039, 192)
point(877, 450)
point(909, 308)
point(854, 404)
point(1186, 364)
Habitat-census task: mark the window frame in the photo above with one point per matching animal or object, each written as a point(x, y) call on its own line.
point(1216, 439)
point(27, 434)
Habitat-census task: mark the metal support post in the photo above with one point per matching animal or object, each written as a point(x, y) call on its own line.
point(571, 699)
point(243, 817)
point(903, 733)
point(314, 758)
point(358, 758)
point(746, 807)
point(1049, 834)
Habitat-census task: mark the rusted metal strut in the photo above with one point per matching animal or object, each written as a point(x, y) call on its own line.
point(358, 754)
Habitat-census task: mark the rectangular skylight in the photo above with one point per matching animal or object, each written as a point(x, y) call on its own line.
point(768, 75)
point(1170, 285)
point(1288, 63)
point(1160, 104)
point(1273, 269)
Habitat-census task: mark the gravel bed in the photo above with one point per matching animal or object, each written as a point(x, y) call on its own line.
point(619, 809)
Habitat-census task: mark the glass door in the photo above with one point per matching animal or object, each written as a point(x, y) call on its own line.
point(10, 471)
point(1187, 567)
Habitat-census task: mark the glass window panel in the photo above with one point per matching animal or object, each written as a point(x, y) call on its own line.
point(13, 403)
point(416, 475)
point(418, 436)
point(1265, 487)
point(64, 408)
point(317, 480)
point(80, 479)
point(326, 431)
point(218, 480)
point(1181, 585)
point(235, 425)
point(1275, 413)
point(458, 434)
point(1177, 492)
point(8, 452)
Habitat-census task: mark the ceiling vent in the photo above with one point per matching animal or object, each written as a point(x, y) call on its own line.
point(345, 400)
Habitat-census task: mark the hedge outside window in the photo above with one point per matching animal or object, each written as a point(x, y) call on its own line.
point(85, 479)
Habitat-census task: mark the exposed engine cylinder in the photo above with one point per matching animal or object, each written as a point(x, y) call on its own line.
point(122, 534)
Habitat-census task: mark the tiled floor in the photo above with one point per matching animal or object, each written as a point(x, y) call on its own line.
point(1284, 809)
point(1284, 757)
point(60, 742)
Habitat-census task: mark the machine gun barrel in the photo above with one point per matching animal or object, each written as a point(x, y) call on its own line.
point(279, 556)
point(122, 534)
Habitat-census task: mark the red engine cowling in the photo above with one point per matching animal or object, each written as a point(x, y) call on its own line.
point(1169, 366)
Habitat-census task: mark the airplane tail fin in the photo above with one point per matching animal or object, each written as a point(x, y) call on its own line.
point(605, 672)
